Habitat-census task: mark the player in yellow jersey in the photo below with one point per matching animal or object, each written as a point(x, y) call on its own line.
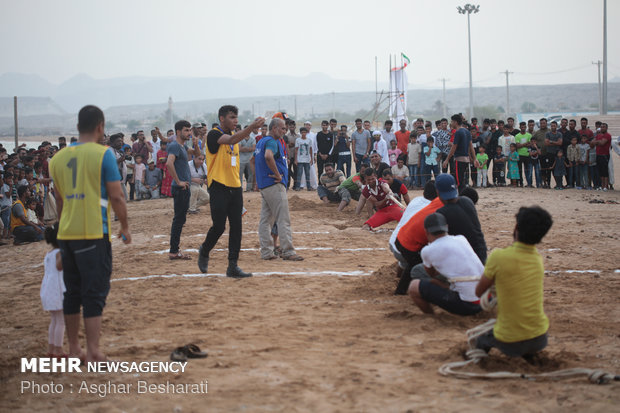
point(86, 181)
point(517, 272)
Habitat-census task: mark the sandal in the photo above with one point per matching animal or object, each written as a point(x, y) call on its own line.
point(192, 351)
point(178, 354)
point(179, 256)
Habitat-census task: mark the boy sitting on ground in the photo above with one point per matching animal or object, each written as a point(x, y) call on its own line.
point(445, 257)
point(517, 272)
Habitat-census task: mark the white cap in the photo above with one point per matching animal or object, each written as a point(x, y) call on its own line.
point(376, 133)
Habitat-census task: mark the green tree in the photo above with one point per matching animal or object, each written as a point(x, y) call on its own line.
point(488, 111)
point(133, 124)
point(528, 107)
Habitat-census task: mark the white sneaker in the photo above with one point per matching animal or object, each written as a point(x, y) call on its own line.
point(244, 211)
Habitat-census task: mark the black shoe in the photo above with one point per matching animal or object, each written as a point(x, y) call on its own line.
point(203, 261)
point(233, 271)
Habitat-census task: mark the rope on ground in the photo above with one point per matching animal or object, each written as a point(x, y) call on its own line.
point(474, 355)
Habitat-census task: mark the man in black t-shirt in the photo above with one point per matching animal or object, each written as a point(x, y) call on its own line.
point(462, 150)
point(325, 146)
point(377, 165)
point(462, 218)
point(398, 188)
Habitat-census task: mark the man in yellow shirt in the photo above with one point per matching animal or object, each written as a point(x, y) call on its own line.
point(86, 179)
point(517, 272)
point(226, 194)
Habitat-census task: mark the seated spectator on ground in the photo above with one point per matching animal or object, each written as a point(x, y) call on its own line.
point(445, 257)
point(400, 170)
point(153, 178)
point(377, 194)
point(353, 186)
point(199, 195)
point(329, 184)
point(399, 189)
point(23, 229)
point(377, 164)
point(415, 206)
point(461, 215)
point(517, 272)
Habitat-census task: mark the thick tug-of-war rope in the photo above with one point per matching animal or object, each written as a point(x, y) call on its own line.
point(488, 301)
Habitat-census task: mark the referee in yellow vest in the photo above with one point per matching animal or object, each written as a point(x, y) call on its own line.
point(86, 181)
point(225, 190)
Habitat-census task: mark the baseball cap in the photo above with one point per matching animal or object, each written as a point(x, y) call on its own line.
point(435, 223)
point(446, 187)
point(151, 161)
point(376, 133)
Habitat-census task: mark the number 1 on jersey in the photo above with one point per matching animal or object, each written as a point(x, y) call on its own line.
point(73, 165)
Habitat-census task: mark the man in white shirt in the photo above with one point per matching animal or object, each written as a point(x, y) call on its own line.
point(388, 134)
point(413, 208)
point(155, 143)
point(199, 195)
point(446, 257)
point(313, 176)
point(379, 145)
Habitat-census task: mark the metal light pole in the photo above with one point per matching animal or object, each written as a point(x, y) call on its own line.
point(469, 9)
point(604, 110)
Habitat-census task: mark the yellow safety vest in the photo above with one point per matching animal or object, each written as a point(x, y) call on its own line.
point(223, 166)
point(76, 171)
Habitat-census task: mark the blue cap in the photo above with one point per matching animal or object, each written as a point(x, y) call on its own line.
point(446, 187)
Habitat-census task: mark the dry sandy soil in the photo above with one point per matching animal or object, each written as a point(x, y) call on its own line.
point(300, 337)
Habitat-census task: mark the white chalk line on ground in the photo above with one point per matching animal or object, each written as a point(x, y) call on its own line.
point(256, 274)
point(296, 249)
point(575, 272)
point(244, 233)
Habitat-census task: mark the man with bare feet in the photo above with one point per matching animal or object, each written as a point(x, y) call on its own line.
point(86, 181)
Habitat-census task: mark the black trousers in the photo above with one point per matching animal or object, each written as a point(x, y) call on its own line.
point(413, 258)
point(462, 175)
point(292, 174)
point(320, 163)
point(226, 203)
point(180, 199)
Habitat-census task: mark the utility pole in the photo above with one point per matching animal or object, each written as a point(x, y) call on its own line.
point(16, 126)
point(376, 84)
point(600, 94)
point(295, 100)
point(507, 73)
point(444, 80)
point(333, 105)
point(604, 110)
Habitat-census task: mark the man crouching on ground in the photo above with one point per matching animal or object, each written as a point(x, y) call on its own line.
point(444, 258)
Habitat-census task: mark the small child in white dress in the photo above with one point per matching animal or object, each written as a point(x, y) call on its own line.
point(52, 289)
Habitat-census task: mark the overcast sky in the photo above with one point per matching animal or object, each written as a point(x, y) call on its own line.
point(541, 41)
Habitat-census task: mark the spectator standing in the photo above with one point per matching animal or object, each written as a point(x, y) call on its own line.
point(360, 145)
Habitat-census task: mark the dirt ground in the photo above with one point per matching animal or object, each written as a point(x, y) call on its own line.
point(327, 333)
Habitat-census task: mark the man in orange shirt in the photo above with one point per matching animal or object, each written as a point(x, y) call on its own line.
point(402, 136)
point(412, 236)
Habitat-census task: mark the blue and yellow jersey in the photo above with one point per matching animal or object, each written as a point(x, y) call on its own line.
point(80, 173)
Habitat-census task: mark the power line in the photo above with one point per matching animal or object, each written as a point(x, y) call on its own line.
point(553, 73)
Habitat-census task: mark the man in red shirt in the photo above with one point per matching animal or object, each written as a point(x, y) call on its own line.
point(376, 192)
point(402, 136)
point(585, 130)
point(602, 142)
